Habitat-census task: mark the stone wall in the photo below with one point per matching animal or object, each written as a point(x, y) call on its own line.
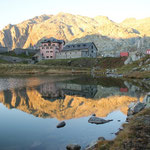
point(3, 50)
point(19, 51)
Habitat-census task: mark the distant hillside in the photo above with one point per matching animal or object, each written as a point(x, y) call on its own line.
point(107, 35)
point(142, 25)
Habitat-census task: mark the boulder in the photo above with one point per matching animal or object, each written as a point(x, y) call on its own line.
point(73, 147)
point(135, 108)
point(128, 61)
point(61, 124)
point(101, 139)
point(97, 120)
point(146, 100)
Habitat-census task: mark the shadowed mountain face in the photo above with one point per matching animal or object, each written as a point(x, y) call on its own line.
point(107, 35)
point(67, 100)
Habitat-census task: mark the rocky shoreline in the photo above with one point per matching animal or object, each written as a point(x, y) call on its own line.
point(132, 134)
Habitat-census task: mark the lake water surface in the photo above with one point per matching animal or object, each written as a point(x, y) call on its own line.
point(31, 107)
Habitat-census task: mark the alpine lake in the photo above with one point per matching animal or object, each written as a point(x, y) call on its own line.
point(32, 106)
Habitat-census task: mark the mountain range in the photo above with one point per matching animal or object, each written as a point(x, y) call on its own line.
point(109, 36)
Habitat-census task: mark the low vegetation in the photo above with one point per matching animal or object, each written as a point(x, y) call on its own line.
point(81, 65)
point(137, 69)
point(135, 134)
point(12, 53)
point(105, 62)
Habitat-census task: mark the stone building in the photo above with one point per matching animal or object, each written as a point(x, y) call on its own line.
point(49, 47)
point(77, 51)
point(52, 91)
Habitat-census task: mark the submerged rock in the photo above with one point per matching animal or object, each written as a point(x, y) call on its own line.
point(61, 124)
point(98, 120)
point(73, 147)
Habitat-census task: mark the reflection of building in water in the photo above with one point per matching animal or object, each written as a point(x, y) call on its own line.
point(87, 91)
point(57, 90)
point(52, 91)
point(103, 101)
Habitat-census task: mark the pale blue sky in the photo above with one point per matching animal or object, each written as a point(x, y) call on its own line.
point(16, 11)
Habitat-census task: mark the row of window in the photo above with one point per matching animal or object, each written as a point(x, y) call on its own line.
point(69, 46)
point(49, 51)
point(75, 52)
point(49, 44)
point(77, 45)
point(49, 56)
point(47, 47)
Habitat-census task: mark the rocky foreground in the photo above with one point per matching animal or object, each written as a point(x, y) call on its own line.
point(135, 134)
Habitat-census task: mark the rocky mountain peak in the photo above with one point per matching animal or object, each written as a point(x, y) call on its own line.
point(106, 34)
point(129, 20)
point(103, 20)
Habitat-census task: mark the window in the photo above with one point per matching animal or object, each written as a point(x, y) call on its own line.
point(42, 47)
point(92, 51)
point(51, 47)
point(84, 44)
point(53, 44)
point(92, 46)
point(47, 51)
point(51, 51)
point(47, 56)
point(51, 56)
point(47, 47)
point(73, 46)
point(49, 44)
point(78, 45)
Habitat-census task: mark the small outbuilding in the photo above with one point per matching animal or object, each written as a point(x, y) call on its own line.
point(124, 54)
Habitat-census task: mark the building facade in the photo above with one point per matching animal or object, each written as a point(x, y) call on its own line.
point(77, 51)
point(49, 47)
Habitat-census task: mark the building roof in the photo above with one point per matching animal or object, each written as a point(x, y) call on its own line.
point(53, 40)
point(78, 46)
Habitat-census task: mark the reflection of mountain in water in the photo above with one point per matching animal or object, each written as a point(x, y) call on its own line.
point(43, 101)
